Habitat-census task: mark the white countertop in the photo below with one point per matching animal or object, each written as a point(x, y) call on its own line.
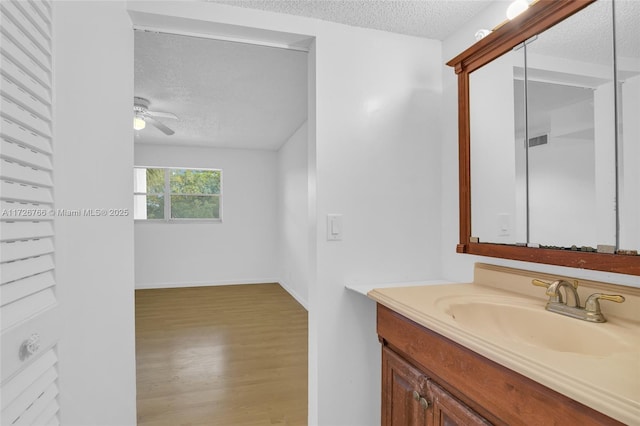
point(364, 289)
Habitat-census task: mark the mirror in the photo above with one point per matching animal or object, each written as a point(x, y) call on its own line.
point(548, 162)
point(627, 21)
point(571, 129)
point(498, 165)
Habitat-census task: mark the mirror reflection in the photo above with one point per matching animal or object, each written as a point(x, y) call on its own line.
point(498, 181)
point(545, 167)
point(571, 131)
point(627, 34)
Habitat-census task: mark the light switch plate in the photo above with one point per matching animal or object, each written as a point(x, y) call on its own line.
point(334, 227)
point(504, 224)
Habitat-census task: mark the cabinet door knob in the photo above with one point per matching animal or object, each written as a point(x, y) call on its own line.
point(424, 403)
point(29, 346)
point(416, 395)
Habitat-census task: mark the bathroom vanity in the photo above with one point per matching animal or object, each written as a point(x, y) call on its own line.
point(553, 88)
point(488, 352)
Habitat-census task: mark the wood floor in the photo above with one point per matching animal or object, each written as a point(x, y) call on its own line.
point(218, 356)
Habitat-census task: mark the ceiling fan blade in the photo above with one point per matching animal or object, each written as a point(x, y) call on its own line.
point(162, 114)
point(164, 129)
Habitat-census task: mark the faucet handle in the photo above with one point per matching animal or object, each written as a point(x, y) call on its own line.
point(593, 305)
point(546, 284)
point(612, 297)
point(540, 283)
point(552, 289)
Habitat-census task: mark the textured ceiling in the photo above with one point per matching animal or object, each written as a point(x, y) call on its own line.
point(435, 19)
point(588, 36)
point(227, 95)
point(233, 95)
point(237, 95)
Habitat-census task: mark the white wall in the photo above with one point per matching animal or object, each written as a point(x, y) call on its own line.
point(93, 87)
point(491, 92)
point(459, 267)
point(312, 231)
point(562, 191)
point(630, 172)
point(378, 143)
point(606, 192)
point(240, 249)
point(292, 215)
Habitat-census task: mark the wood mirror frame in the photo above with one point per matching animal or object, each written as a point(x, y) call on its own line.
point(542, 15)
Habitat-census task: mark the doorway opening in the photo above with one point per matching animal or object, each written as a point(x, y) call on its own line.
point(212, 294)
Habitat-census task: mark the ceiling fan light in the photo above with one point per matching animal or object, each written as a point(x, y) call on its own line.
point(139, 123)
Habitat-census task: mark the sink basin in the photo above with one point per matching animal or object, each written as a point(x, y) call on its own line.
point(529, 323)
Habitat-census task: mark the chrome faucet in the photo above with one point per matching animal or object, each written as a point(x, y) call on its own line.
point(591, 311)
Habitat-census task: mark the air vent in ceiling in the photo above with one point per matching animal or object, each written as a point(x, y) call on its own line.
point(538, 140)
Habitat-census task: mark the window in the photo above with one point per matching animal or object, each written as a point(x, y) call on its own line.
point(177, 194)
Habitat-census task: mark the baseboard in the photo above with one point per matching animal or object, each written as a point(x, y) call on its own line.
point(294, 294)
point(145, 286)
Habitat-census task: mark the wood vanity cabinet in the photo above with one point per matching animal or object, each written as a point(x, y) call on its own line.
point(410, 398)
point(428, 379)
point(402, 387)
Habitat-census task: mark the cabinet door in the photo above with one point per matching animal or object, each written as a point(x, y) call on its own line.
point(404, 390)
point(448, 411)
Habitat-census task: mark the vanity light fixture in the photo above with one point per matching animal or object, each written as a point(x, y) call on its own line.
point(139, 123)
point(516, 8)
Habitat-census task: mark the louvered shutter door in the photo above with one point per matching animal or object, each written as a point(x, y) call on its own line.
point(28, 307)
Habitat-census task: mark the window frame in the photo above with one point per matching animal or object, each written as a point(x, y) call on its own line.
point(167, 196)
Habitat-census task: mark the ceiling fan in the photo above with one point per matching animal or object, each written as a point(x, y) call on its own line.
point(142, 115)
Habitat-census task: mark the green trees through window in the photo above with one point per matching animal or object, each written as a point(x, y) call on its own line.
point(162, 193)
point(155, 193)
